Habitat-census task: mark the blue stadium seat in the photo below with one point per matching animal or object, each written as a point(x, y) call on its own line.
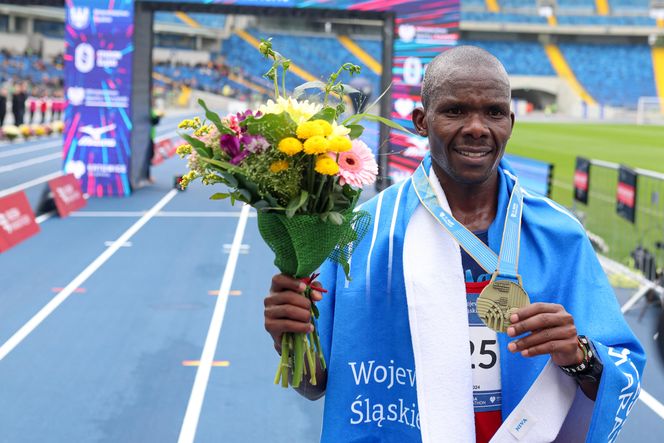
point(618, 6)
point(316, 54)
point(519, 58)
point(476, 16)
point(615, 75)
point(518, 3)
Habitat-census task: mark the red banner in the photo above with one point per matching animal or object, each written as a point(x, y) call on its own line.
point(17, 221)
point(67, 194)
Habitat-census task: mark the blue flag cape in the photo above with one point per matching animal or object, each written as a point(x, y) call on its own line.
point(371, 387)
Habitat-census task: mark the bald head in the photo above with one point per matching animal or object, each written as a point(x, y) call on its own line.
point(467, 61)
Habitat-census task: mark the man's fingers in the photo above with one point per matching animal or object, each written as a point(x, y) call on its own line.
point(536, 308)
point(281, 282)
point(565, 347)
point(287, 298)
point(289, 312)
point(544, 320)
point(543, 336)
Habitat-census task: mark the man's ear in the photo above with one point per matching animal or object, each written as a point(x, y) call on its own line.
point(420, 121)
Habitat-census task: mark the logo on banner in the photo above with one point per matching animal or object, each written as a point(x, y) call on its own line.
point(84, 58)
point(407, 33)
point(67, 194)
point(12, 220)
point(412, 71)
point(76, 95)
point(92, 137)
point(108, 58)
point(79, 17)
point(76, 167)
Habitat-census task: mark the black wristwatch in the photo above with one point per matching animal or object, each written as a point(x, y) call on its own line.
point(590, 369)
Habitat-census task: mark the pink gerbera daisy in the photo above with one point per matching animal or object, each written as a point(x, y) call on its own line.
point(357, 167)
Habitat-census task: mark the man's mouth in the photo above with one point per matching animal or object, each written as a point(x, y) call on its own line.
point(472, 154)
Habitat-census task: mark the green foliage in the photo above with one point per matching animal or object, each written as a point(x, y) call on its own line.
point(274, 127)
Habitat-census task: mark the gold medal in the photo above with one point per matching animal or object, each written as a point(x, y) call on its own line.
point(498, 301)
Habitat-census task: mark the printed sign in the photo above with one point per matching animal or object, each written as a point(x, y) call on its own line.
point(17, 221)
point(626, 194)
point(98, 77)
point(67, 194)
point(582, 180)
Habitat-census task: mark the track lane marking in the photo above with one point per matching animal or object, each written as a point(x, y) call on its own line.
point(193, 412)
point(78, 281)
point(30, 183)
point(33, 161)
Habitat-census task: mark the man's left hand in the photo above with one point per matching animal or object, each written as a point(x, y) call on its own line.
point(551, 331)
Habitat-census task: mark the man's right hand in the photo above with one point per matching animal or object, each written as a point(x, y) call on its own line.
point(286, 308)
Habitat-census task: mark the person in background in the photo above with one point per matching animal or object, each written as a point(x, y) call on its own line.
point(18, 103)
point(43, 107)
point(3, 105)
point(155, 117)
point(32, 109)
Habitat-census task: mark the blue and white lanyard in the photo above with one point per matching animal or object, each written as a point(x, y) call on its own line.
point(504, 265)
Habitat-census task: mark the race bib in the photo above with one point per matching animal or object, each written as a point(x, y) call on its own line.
point(485, 361)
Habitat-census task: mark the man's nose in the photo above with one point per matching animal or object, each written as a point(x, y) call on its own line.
point(475, 126)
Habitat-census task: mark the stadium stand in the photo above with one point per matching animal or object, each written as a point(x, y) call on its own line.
point(615, 75)
point(519, 58)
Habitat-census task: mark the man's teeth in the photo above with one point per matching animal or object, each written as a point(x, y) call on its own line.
point(473, 154)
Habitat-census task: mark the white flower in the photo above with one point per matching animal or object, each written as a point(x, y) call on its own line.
point(300, 112)
point(339, 130)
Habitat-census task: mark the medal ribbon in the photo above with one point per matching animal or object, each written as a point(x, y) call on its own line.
point(506, 264)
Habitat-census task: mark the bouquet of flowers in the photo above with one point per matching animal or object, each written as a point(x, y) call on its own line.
point(302, 168)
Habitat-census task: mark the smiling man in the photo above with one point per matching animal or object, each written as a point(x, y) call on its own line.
point(477, 311)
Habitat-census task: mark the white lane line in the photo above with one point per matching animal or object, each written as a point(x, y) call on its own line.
point(212, 214)
point(29, 184)
point(190, 423)
point(19, 151)
point(652, 403)
point(42, 218)
point(32, 161)
point(78, 281)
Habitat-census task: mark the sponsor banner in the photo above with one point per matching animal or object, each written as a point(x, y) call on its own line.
point(582, 180)
point(626, 194)
point(165, 148)
point(17, 221)
point(67, 194)
point(98, 73)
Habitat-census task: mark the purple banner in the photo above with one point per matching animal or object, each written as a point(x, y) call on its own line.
point(98, 69)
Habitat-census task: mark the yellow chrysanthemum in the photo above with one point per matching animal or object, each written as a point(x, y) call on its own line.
point(316, 145)
point(290, 146)
point(307, 130)
point(279, 166)
point(327, 127)
point(339, 144)
point(183, 150)
point(326, 165)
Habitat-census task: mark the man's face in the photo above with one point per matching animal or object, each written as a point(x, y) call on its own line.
point(468, 123)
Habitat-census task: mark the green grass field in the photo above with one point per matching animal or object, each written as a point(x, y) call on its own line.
point(560, 144)
point(631, 145)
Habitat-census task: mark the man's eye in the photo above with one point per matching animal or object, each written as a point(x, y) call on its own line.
point(453, 111)
point(496, 112)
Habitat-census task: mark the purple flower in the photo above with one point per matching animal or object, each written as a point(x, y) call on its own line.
point(230, 144)
point(254, 143)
